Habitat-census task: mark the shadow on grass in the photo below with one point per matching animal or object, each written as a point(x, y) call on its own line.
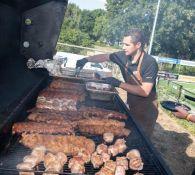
point(172, 146)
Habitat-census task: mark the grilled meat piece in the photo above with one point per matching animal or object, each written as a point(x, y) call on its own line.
point(136, 163)
point(99, 112)
point(49, 159)
point(85, 155)
point(56, 162)
point(120, 143)
point(102, 148)
point(105, 157)
point(122, 161)
point(59, 101)
point(34, 127)
point(76, 165)
point(135, 160)
point(99, 126)
point(96, 160)
point(53, 118)
point(82, 113)
point(108, 168)
point(69, 145)
point(62, 158)
point(39, 151)
point(26, 173)
point(113, 150)
point(25, 166)
point(100, 129)
point(60, 83)
point(108, 137)
point(100, 121)
point(133, 154)
point(34, 160)
point(120, 170)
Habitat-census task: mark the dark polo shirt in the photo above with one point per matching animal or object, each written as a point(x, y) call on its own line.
point(149, 66)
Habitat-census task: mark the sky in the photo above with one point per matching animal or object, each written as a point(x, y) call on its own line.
point(89, 4)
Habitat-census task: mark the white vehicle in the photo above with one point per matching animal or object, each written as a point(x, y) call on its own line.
point(72, 59)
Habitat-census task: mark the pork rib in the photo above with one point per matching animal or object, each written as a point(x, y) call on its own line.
point(34, 127)
point(69, 145)
point(58, 100)
point(99, 112)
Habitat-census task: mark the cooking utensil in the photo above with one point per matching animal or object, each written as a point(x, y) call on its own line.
point(129, 71)
point(171, 105)
point(77, 71)
point(189, 97)
point(100, 91)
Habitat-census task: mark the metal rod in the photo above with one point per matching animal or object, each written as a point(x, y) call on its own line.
point(153, 29)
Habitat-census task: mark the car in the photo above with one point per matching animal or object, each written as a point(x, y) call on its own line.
point(71, 59)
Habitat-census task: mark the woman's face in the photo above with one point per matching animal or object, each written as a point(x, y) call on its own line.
point(129, 47)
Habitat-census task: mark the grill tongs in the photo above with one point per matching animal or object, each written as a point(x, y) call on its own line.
point(129, 71)
point(77, 71)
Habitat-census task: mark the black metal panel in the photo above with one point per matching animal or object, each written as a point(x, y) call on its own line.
point(9, 33)
point(40, 30)
point(23, 5)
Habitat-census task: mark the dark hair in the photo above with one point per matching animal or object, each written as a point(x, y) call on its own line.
point(137, 36)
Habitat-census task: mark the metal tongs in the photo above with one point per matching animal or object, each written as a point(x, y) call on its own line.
point(77, 71)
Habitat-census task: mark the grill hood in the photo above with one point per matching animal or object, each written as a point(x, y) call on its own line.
point(28, 29)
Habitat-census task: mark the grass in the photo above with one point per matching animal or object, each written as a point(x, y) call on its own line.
point(167, 92)
point(188, 86)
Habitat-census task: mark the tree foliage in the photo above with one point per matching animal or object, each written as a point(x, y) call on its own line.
point(174, 34)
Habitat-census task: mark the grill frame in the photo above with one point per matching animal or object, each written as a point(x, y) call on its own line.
point(153, 163)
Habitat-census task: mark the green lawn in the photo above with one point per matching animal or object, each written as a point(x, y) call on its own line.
point(169, 91)
point(188, 86)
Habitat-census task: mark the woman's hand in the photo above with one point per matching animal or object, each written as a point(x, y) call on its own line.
point(181, 112)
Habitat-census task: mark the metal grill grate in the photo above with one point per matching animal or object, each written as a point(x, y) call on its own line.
point(153, 165)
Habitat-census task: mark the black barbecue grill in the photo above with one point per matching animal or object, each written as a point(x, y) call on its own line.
point(153, 164)
point(24, 35)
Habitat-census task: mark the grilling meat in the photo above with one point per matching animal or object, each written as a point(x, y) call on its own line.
point(53, 162)
point(122, 161)
point(53, 118)
point(25, 166)
point(99, 130)
point(108, 137)
point(101, 126)
point(99, 112)
point(34, 127)
point(85, 155)
point(120, 170)
point(102, 148)
point(82, 113)
point(108, 168)
point(26, 173)
point(34, 160)
point(105, 157)
point(59, 83)
point(113, 150)
point(69, 145)
point(59, 101)
point(120, 143)
point(102, 122)
point(133, 154)
point(96, 160)
point(39, 151)
point(135, 160)
point(136, 163)
point(76, 165)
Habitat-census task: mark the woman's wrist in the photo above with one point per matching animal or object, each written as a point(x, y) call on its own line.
point(188, 117)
